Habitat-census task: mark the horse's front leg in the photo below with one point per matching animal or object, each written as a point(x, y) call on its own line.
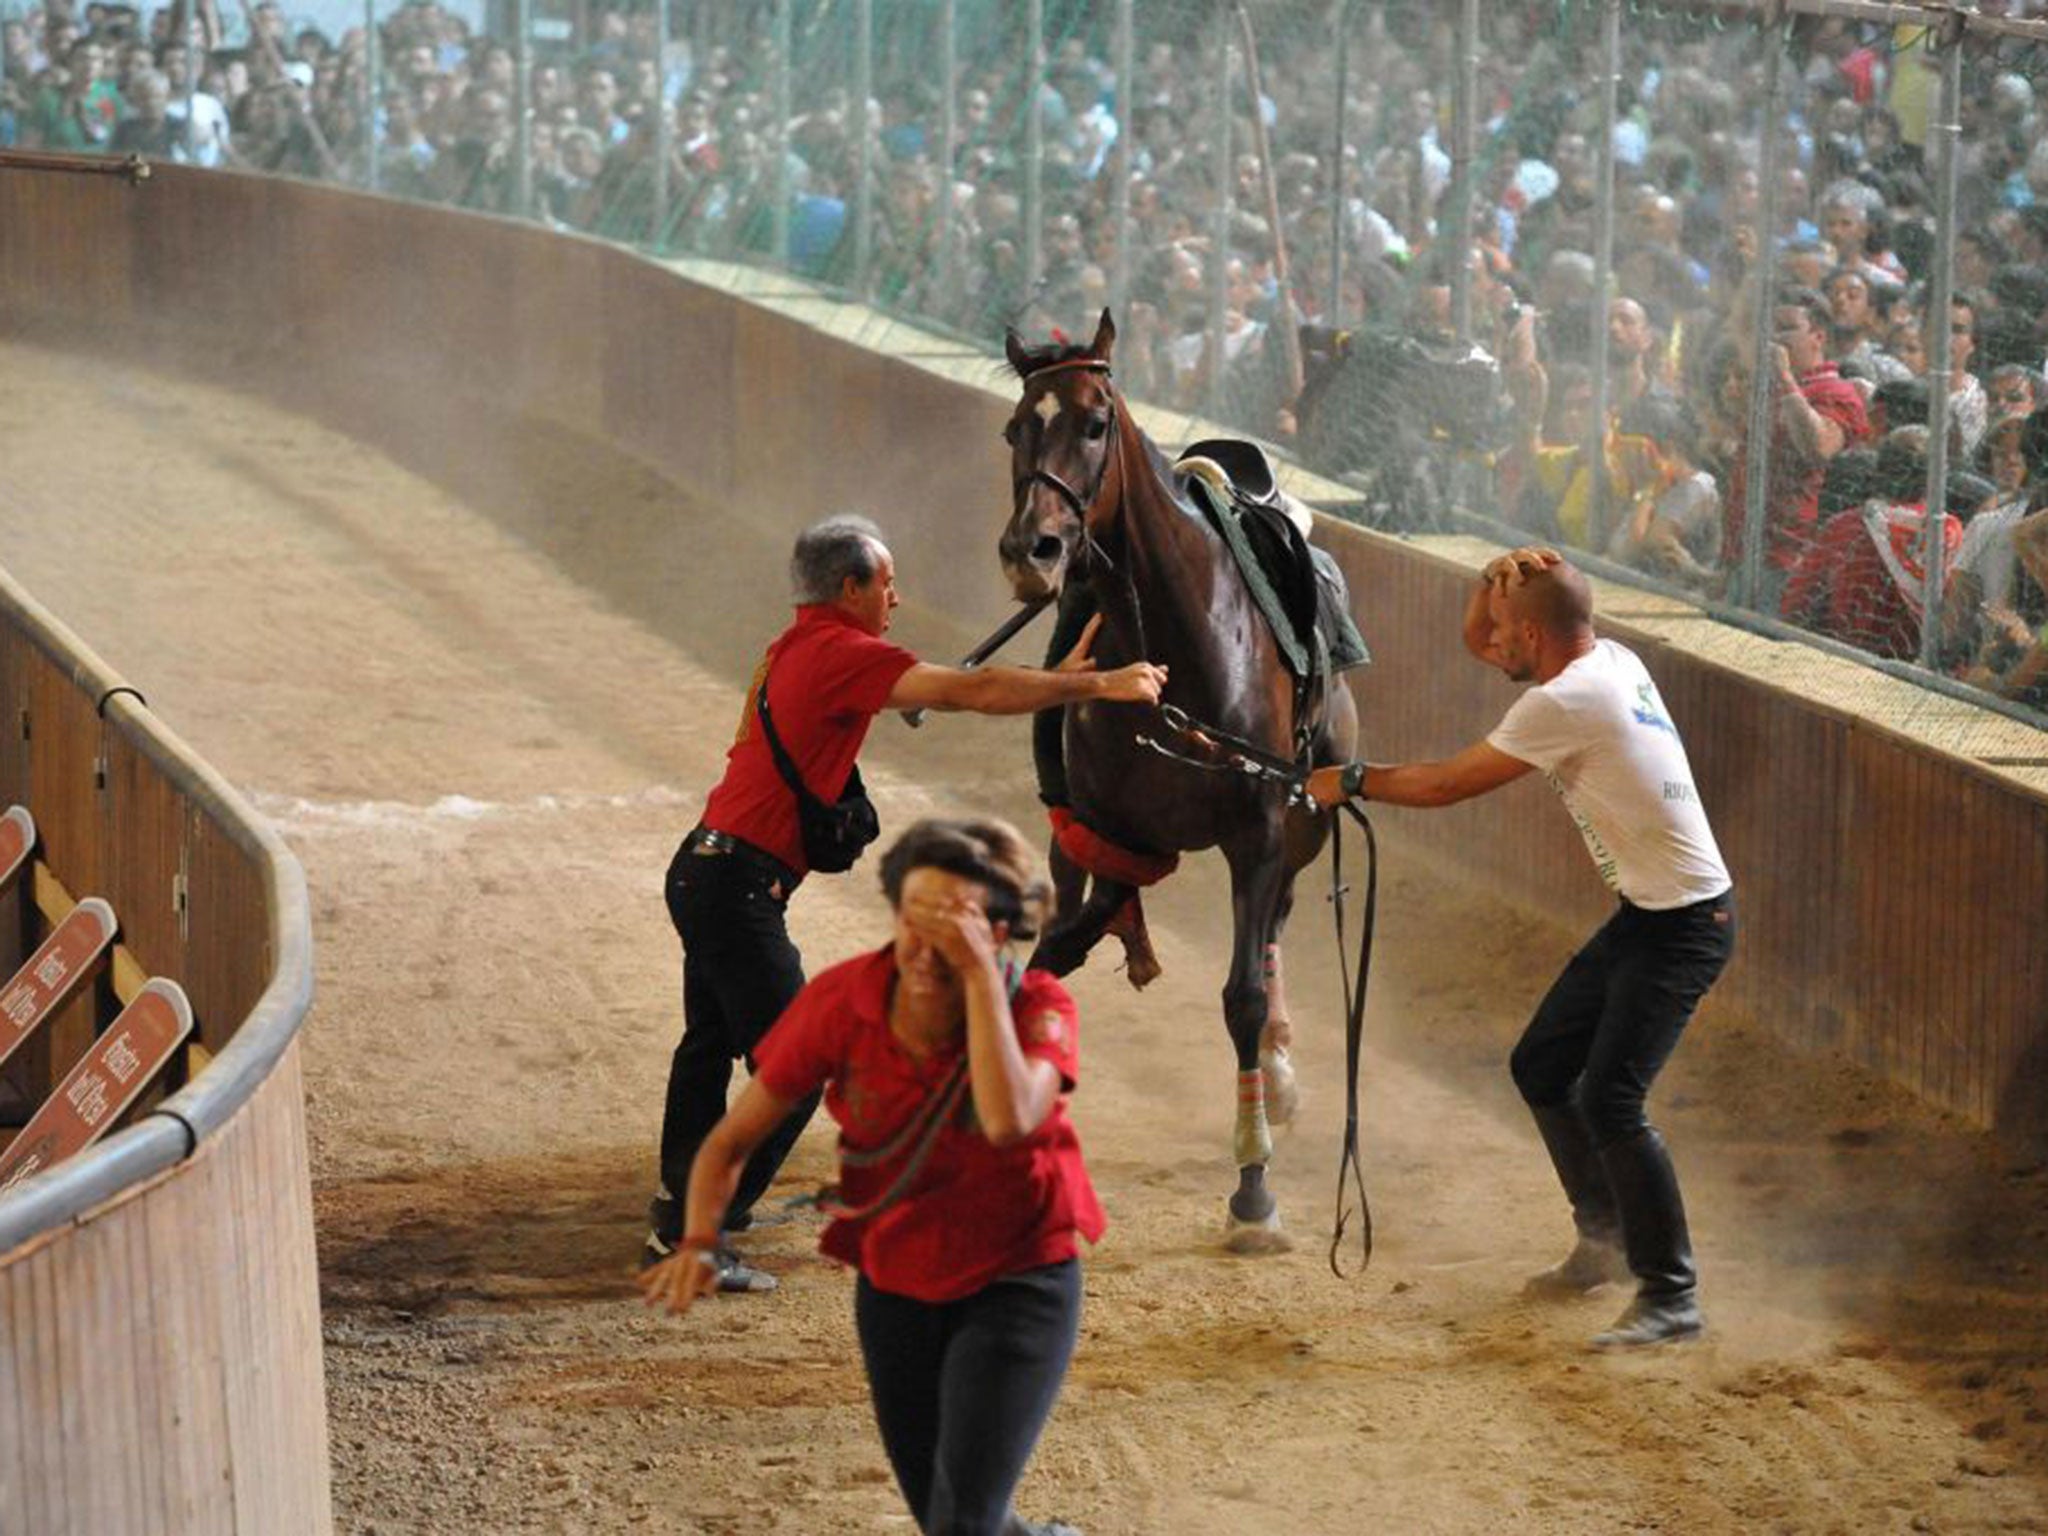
point(1257, 881)
point(1276, 1066)
point(1304, 838)
point(1077, 925)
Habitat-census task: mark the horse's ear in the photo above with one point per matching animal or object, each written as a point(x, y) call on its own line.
point(1105, 337)
point(1013, 348)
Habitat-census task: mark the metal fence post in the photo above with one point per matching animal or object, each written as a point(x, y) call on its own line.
point(664, 129)
point(522, 108)
point(785, 191)
point(373, 98)
point(1465, 136)
point(1338, 222)
point(1124, 63)
point(1603, 279)
point(864, 147)
point(1034, 151)
point(1219, 235)
point(1945, 131)
point(949, 131)
point(1762, 376)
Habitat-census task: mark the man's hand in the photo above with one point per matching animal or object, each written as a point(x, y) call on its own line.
point(1326, 786)
point(1079, 658)
point(1138, 683)
point(1781, 361)
point(1518, 565)
point(1521, 342)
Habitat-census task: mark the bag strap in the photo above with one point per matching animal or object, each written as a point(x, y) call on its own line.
point(784, 765)
point(919, 1133)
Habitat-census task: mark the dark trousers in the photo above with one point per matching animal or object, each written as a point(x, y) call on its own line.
point(1586, 1062)
point(962, 1388)
point(1613, 1017)
point(740, 971)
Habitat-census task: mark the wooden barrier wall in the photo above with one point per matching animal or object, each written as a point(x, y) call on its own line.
point(1887, 891)
point(160, 1366)
point(160, 1363)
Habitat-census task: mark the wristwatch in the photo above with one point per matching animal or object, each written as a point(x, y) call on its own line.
point(1352, 781)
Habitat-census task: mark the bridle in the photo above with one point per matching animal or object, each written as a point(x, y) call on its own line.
point(1088, 510)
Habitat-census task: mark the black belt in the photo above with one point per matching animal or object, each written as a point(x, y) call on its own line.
point(709, 843)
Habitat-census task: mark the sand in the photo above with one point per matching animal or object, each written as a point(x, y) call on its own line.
point(484, 724)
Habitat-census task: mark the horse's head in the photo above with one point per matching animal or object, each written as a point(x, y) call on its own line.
point(1062, 440)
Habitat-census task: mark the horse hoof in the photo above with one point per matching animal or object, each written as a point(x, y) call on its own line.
point(1283, 1092)
point(1257, 1238)
point(1142, 972)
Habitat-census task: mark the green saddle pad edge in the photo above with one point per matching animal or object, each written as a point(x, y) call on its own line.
point(1346, 647)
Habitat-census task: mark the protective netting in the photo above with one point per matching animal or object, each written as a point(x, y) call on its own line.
point(1270, 198)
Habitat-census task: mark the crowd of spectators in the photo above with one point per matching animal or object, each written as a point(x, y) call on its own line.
point(1844, 542)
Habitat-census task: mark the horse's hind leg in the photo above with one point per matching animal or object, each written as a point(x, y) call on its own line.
point(1257, 880)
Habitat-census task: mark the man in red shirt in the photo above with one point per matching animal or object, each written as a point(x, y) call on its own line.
point(1815, 414)
point(1863, 581)
point(825, 677)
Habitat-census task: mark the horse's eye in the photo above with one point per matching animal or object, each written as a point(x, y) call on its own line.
point(1010, 433)
point(1097, 428)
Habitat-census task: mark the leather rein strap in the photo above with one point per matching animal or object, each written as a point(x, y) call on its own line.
point(1354, 1030)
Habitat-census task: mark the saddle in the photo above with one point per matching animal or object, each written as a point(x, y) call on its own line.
point(1298, 587)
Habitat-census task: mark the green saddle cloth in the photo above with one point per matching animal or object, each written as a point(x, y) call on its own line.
point(1297, 587)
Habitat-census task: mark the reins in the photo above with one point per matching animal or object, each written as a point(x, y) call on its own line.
point(1354, 1029)
point(1248, 758)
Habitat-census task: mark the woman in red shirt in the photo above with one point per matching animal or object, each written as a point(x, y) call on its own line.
point(962, 1188)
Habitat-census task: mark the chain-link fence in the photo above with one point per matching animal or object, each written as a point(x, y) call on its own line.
point(1498, 266)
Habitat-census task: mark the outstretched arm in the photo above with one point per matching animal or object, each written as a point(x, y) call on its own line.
point(1024, 690)
point(1476, 770)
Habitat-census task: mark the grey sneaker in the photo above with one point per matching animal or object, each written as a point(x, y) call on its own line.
point(735, 1274)
point(1591, 1264)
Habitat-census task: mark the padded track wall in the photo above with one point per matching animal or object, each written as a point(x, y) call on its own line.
point(1887, 892)
point(160, 1360)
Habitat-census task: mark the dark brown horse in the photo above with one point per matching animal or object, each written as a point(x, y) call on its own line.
point(1093, 500)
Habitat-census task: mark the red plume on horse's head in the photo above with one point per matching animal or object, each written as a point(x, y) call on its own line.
point(1025, 361)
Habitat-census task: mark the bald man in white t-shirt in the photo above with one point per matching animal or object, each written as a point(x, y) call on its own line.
point(1593, 723)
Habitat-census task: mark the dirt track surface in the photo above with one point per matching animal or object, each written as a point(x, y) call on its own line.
point(483, 728)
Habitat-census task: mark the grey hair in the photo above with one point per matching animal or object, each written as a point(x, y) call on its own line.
point(827, 553)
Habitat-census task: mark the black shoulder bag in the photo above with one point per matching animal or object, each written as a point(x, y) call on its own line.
point(833, 834)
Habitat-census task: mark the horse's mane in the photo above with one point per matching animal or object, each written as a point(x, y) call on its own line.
point(1036, 358)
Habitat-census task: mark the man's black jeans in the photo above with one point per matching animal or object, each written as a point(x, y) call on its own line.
point(1613, 1018)
point(740, 971)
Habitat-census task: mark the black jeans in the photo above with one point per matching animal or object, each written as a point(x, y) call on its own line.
point(740, 971)
point(962, 1388)
point(1612, 1019)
